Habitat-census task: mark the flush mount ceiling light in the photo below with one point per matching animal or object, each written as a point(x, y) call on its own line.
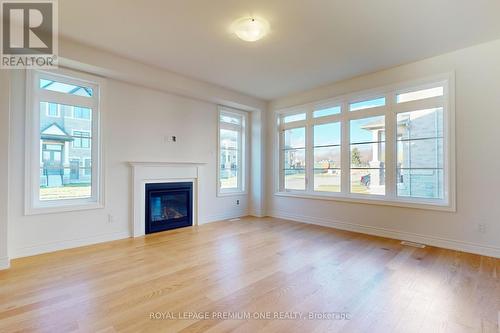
point(250, 29)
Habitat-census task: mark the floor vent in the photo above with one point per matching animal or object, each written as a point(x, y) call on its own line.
point(407, 243)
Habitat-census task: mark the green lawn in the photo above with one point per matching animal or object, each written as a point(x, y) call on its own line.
point(322, 183)
point(231, 182)
point(72, 191)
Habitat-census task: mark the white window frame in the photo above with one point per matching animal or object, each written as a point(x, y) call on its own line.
point(243, 152)
point(390, 111)
point(33, 204)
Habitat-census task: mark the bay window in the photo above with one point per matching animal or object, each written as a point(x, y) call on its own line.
point(392, 145)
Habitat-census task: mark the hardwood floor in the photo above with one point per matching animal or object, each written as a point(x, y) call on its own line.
point(255, 268)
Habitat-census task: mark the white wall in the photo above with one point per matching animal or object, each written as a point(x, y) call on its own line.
point(135, 120)
point(4, 165)
point(477, 71)
point(257, 164)
point(91, 60)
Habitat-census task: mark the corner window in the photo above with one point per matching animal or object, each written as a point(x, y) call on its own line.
point(392, 148)
point(231, 151)
point(63, 141)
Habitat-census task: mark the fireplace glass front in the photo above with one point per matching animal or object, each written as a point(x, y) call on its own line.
point(168, 206)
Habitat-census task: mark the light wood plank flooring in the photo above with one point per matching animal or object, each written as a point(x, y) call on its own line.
point(256, 267)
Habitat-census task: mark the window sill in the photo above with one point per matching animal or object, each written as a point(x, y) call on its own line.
point(231, 194)
point(52, 209)
point(371, 200)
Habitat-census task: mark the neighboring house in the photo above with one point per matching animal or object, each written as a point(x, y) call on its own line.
point(420, 153)
point(65, 143)
point(375, 177)
point(228, 155)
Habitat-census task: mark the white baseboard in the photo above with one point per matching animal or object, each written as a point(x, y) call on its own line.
point(4, 263)
point(395, 234)
point(230, 214)
point(256, 213)
point(68, 244)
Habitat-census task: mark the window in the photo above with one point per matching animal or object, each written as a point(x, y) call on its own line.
point(52, 109)
point(88, 167)
point(64, 87)
point(81, 139)
point(63, 164)
point(367, 104)
point(327, 167)
point(419, 94)
point(82, 113)
point(67, 111)
point(232, 151)
point(328, 111)
point(294, 158)
point(294, 117)
point(367, 155)
point(392, 148)
point(74, 164)
point(420, 154)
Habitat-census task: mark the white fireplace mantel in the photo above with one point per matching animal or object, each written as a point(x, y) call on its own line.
point(160, 172)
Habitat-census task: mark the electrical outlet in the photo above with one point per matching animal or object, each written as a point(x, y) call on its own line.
point(237, 202)
point(170, 138)
point(111, 219)
point(481, 227)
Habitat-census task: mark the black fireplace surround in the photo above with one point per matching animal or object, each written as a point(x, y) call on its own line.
point(168, 206)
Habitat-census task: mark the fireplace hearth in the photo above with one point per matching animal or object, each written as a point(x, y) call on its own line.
point(168, 206)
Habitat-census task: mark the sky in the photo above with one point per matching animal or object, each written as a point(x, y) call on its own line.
point(330, 133)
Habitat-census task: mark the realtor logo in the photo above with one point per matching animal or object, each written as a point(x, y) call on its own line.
point(29, 34)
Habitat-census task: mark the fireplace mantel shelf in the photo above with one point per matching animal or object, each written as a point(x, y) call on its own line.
point(134, 164)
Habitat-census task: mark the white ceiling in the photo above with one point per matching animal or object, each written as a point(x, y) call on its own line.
point(312, 42)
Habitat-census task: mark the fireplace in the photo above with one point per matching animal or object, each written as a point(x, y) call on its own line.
point(168, 206)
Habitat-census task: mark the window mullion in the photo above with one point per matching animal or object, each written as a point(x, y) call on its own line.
point(240, 161)
point(309, 158)
point(281, 164)
point(345, 160)
point(390, 148)
point(60, 98)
